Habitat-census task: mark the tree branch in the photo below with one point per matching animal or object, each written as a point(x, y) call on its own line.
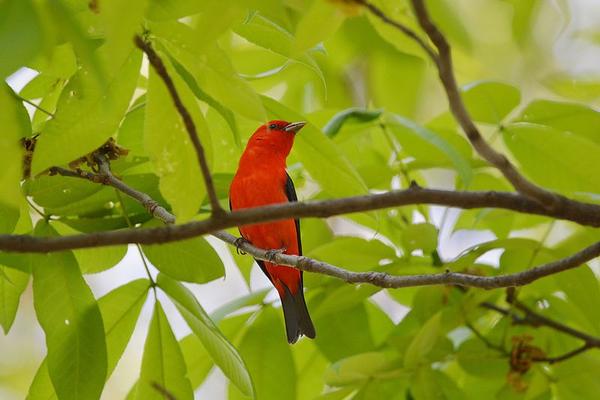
point(443, 62)
point(584, 214)
point(385, 280)
point(106, 177)
point(161, 70)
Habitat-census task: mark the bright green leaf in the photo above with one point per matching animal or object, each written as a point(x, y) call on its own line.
point(191, 260)
point(490, 102)
point(423, 342)
point(12, 284)
point(222, 352)
point(558, 160)
point(88, 113)
point(120, 309)
point(417, 140)
point(162, 363)
point(20, 35)
point(173, 155)
point(422, 236)
point(71, 320)
point(269, 358)
point(576, 118)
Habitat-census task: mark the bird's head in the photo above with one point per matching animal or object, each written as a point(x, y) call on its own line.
point(276, 137)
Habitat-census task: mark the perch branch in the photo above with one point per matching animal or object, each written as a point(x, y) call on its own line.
point(584, 214)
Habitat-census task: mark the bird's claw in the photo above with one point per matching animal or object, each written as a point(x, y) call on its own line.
point(271, 254)
point(238, 243)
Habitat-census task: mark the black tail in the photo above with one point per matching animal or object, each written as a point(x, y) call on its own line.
point(295, 313)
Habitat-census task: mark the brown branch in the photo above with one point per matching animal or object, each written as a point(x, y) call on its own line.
point(567, 355)
point(584, 214)
point(106, 177)
point(535, 319)
point(161, 70)
point(385, 280)
point(443, 62)
point(403, 28)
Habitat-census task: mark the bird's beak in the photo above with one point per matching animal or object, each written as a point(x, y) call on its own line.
point(294, 126)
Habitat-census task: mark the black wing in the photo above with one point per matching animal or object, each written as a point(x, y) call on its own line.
point(290, 192)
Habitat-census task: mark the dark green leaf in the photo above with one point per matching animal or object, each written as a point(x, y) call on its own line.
point(359, 115)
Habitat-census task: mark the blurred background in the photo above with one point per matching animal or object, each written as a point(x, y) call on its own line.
point(555, 53)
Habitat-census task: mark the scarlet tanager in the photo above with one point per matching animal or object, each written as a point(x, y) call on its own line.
point(261, 179)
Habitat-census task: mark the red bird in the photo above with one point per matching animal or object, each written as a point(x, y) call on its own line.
point(261, 179)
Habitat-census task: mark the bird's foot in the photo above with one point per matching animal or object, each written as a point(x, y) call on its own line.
point(238, 243)
point(271, 254)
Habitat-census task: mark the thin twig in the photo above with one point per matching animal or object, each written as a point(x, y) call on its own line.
point(567, 355)
point(443, 62)
point(161, 70)
point(485, 340)
point(106, 177)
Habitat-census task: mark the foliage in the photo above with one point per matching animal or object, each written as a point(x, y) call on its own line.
point(376, 122)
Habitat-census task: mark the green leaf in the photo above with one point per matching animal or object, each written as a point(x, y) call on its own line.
point(95, 259)
point(250, 299)
point(418, 140)
point(173, 155)
point(490, 102)
point(353, 253)
point(349, 115)
point(269, 358)
point(320, 156)
point(333, 338)
point(222, 352)
point(20, 35)
point(191, 260)
point(319, 22)
point(226, 113)
point(12, 284)
point(422, 236)
point(88, 113)
point(477, 359)
point(162, 363)
point(402, 13)
point(120, 310)
point(15, 124)
point(558, 160)
point(71, 320)
point(576, 118)
point(359, 368)
point(211, 68)
point(267, 34)
point(423, 342)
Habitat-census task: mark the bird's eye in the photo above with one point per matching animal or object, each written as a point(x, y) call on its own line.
point(273, 126)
